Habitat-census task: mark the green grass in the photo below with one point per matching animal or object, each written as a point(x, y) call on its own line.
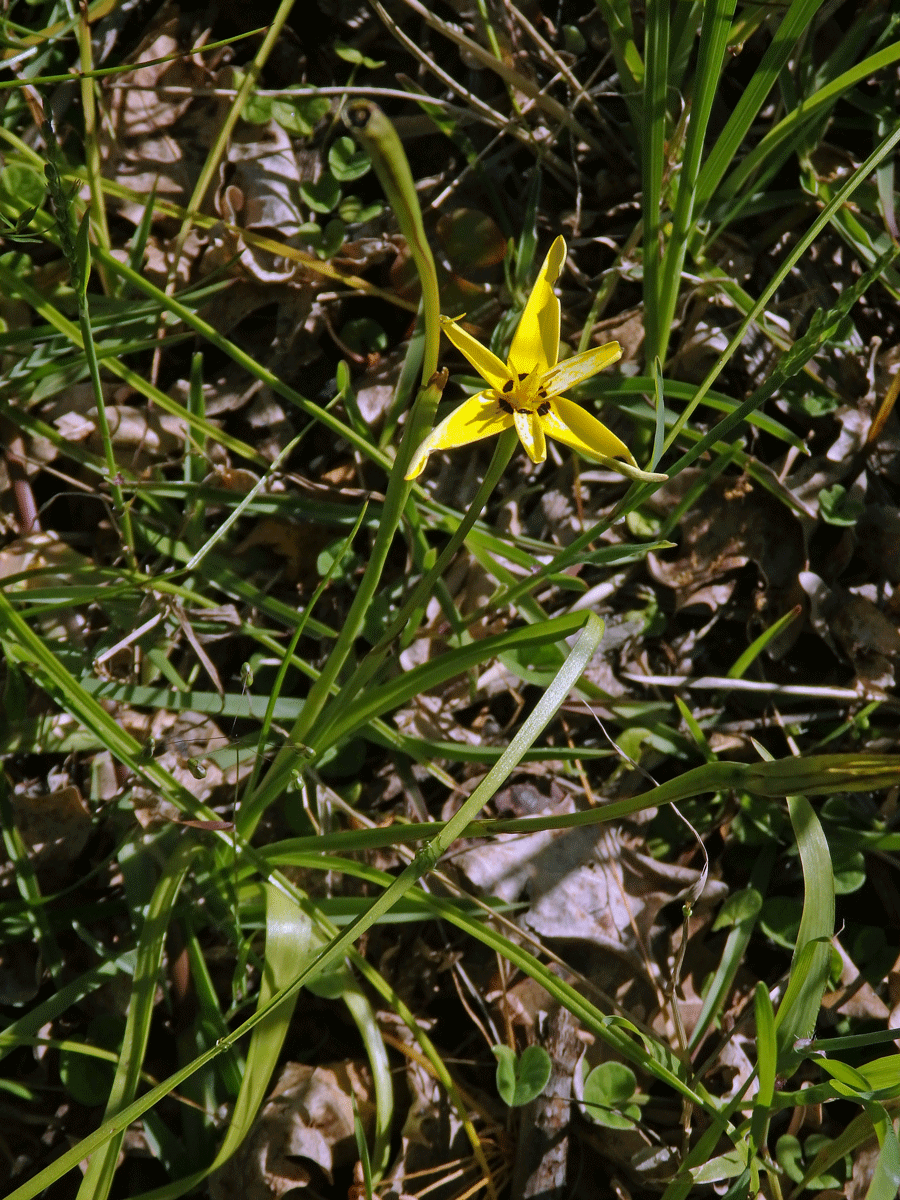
point(275, 873)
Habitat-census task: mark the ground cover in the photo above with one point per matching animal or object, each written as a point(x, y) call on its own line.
point(449, 600)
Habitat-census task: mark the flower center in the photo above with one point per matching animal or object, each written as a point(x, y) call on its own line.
point(524, 394)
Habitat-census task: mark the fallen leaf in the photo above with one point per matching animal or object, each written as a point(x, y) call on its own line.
point(303, 1132)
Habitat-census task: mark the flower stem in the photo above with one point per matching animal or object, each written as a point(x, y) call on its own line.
point(503, 451)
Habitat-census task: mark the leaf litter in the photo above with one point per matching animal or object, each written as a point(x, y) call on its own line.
point(605, 906)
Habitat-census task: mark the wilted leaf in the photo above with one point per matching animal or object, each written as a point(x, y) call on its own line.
point(303, 1133)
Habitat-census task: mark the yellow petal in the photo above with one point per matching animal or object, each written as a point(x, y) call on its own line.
point(536, 343)
point(529, 427)
point(580, 367)
point(476, 418)
point(488, 365)
point(570, 424)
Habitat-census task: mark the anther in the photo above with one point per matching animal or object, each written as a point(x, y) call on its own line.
point(509, 385)
point(543, 409)
point(505, 405)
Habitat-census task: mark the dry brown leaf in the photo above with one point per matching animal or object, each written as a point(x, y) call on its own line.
point(432, 1133)
point(855, 997)
point(733, 523)
point(55, 828)
point(296, 545)
point(857, 630)
point(825, 470)
point(139, 435)
point(44, 552)
point(258, 185)
point(590, 885)
point(181, 743)
point(304, 1132)
point(878, 540)
point(146, 142)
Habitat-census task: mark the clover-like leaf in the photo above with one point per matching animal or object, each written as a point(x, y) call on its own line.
point(608, 1096)
point(301, 115)
point(837, 507)
point(322, 196)
point(521, 1079)
point(352, 210)
point(351, 55)
point(347, 162)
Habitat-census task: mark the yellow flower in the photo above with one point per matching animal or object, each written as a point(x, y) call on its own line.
point(526, 390)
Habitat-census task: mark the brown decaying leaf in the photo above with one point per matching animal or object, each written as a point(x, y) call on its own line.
point(731, 525)
point(591, 886)
point(302, 1134)
point(55, 828)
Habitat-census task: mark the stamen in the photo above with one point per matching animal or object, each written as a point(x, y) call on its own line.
point(505, 405)
point(509, 385)
point(544, 408)
point(523, 375)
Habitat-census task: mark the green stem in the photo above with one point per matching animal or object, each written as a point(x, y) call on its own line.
point(380, 139)
point(77, 252)
point(122, 510)
point(503, 451)
point(398, 491)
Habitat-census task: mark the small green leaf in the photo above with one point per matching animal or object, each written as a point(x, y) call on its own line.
point(300, 116)
point(258, 109)
point(532, 664)
point(739, 906)
point(332, 238)
point(849, 870)
point(643, 525)
point(779, 919)
point(337, 561)
point(521, 1080)
point(343, 761)
point(323, 196)
point(21, 187)
point(330, 985)
point(837, 507)
point(351, 55)
point(347, 162)
point(363, 335)
point(608, 1090)
point(352, 210)
point(573, 39)
point(790, 1156)
point(726, 1166)
point(86, 1078)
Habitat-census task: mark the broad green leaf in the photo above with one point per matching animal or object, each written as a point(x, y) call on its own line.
point(521, 1078)
point(323, 195)
point(346, 162)
point(608, 1092)
point(799, 1007)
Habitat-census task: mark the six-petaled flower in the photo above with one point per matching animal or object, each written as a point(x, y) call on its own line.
point(526, 390)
